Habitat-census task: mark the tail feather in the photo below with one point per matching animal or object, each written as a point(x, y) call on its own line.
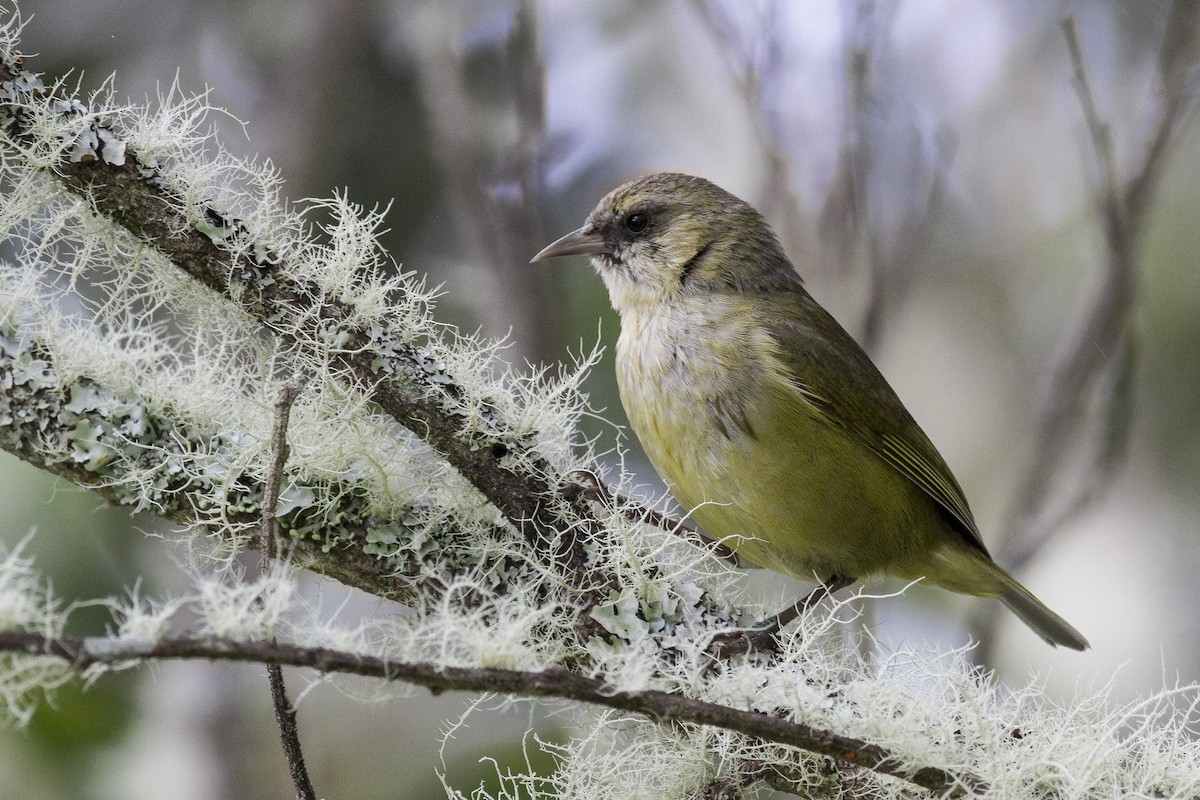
point(1034, 613)
point(972, 571)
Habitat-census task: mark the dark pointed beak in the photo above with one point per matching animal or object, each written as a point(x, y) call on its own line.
point(584, 241)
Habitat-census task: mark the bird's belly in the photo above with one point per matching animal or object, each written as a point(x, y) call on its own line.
point(788, 491)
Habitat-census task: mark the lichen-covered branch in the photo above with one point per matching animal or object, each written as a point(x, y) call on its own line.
point(554, 682)
point(247, 268)
point(140, 457)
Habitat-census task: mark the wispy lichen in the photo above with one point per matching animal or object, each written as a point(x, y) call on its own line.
point(27, 605)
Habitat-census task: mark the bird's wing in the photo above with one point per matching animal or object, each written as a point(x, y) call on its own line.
point(840, 385)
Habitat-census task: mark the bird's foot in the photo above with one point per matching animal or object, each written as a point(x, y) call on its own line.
point(734, 643)
point(764, 637)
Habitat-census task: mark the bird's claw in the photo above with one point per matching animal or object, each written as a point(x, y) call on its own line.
point(734, 643)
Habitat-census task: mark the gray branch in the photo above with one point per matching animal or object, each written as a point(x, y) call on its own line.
point(848, 752)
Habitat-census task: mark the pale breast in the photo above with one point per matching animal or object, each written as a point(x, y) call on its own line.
point(684, 374)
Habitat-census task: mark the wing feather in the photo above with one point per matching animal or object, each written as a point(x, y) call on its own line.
point(838, 382)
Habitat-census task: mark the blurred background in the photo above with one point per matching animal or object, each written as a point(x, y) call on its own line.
point(927, 166)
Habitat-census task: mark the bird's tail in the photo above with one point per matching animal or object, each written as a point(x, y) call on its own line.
point(1034, 613)
point(971, 571)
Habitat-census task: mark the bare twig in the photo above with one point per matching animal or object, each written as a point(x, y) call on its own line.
point(559, 682)
point(755, 76)
point(494, 193)
point(285, 712)
point(1087, 397)
point(280, 452)
point(1101, 345)
point(1177, 61)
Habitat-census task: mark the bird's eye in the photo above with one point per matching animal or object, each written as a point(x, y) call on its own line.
point(637, 222)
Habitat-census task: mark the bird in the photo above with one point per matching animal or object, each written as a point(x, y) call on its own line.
point(763, 415)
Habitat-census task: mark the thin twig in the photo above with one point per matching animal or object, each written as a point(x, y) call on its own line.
point(285, 712)
point(82, 653)
point(1178, 58)
point(1101, 343)
point(1083, 351)
point(1096, 359)
point(280, 452)
point(755, 75)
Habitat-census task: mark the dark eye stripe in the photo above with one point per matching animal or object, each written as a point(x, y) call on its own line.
point(691, 263)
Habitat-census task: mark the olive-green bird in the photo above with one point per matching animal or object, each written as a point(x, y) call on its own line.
point(763, 415)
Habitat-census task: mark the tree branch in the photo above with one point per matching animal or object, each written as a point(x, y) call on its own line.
point(554, 682)
point(179, 459)
point(234, 262)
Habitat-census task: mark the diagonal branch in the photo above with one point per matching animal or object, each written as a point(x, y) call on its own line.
point(232, 261)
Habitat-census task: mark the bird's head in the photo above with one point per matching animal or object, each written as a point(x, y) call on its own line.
point(667, 235)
